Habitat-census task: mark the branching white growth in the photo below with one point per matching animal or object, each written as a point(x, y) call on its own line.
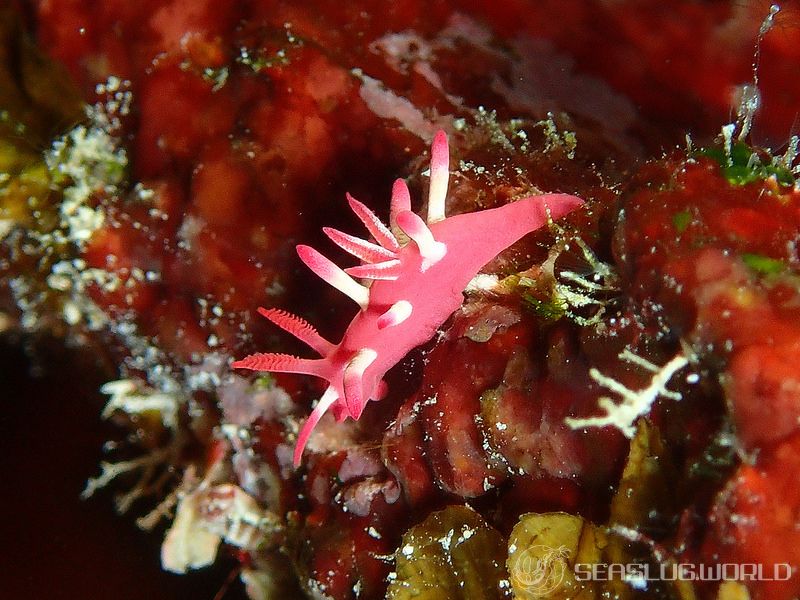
point(589, 286)
point(153, 469)
point(749, 103)
point(151, 477)
point(787, 160)
point(579, 290)
point(635, 403)
point(487, 119)
point(163, 510)
point(556, 139)
point(128, 396)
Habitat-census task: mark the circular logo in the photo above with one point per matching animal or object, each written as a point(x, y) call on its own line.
point(539, 570)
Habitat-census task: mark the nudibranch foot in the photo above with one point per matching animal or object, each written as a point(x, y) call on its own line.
point(418, 269)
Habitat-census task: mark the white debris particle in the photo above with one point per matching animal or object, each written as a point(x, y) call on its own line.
point(142, 193)
point(431, 400)
point(407, 550)
point(727, 137)
point(466, 533)
point(446, 540)
point(71, 313)
point(374, 533)
point(482, 282)
point(749, 103)
point(72, 279)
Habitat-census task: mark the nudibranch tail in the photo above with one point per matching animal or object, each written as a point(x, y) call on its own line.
point(406, 302)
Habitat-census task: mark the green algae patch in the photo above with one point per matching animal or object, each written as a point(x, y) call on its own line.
point(763, 265)
point(681, 220)
point(742, 164)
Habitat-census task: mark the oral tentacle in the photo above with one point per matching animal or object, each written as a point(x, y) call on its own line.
point(440, 173)
point(332, 274)
point(329, 397)
point(299, 328)
point(374, 225)
point(361, 249)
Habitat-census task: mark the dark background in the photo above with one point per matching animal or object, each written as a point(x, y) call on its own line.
point(55, 545)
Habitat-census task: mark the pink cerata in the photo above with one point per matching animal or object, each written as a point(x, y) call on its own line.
point(415, 287)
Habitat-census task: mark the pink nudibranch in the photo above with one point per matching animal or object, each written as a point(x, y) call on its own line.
point(415, 287)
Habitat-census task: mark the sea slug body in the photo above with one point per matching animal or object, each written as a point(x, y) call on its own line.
point(415, 287)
